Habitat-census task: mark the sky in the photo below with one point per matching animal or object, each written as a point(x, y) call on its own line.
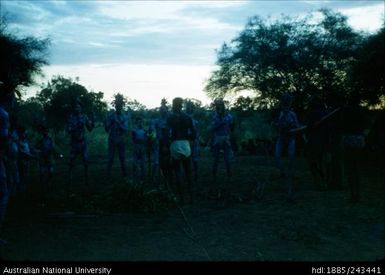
point(148, 50)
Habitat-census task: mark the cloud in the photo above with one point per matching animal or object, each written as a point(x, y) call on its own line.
point(159, 10)
point(366, 18)
point(136, 31)
point(176, 39)
point(146, 83)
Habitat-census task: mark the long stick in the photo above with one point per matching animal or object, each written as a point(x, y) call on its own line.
point(296, 130)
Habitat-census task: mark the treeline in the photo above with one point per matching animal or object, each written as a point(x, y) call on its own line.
point(52, 105)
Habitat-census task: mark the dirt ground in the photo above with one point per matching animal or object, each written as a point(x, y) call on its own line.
point(318, 226)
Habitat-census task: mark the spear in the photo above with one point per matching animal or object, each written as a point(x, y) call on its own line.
point(302, 128)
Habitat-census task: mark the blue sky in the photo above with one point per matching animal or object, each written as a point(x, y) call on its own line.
point(152, 49)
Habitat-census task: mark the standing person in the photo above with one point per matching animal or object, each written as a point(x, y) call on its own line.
point(334, 149)
point(6, 101)
point(76, 127)
point(139, 139)
point(116, 125)
point(152, 148)
point(45, 149)
point(353, 124)
point(195, 142)
point(160, 144)
point(24, 156)
point(285, 122)
point(317, 140)
point(182, 132)
point(376, 140)
point(222, 125)
point(11, 164)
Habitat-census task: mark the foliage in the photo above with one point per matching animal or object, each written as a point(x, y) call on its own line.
point(301, 56)
point(58, 96)
point(21, 59)
point(28, 113)
point(368, 71)
point(134, 106)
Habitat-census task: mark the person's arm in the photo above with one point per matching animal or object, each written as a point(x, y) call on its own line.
point(296, 127)
point(231, 123)
point(71, 124)
point(169, 128)
point(192, 128)
point(89, 123)
point(125, 124)
point(295, 119)
point(4, 130)
point(196, 128)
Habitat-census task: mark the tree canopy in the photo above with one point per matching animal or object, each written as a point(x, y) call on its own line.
point(58, 95)
point(368, 72)
point(21, 59)
point(303, 56)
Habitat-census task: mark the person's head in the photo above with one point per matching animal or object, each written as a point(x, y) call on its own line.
point(189, 107)
point(219, 106)
point(119, 103)
point(286, 101)
point(177, 104)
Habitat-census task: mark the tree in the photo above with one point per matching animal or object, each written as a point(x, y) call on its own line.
point(367, 76)
point(21, 59)
point(57, 98)
point(135, 106)
point(242, 107)
point(287, 55)
point(28, 112)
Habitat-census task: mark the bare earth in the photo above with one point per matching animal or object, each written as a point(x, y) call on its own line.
point(318, 226)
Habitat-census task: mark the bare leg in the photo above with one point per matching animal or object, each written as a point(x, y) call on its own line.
point(290, 167)
point(187, 170)
point(122, 158)
point(111, 155)
point(177, 170)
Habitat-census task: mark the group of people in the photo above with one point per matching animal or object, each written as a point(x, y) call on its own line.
point(172, 143)
point(334, 138)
